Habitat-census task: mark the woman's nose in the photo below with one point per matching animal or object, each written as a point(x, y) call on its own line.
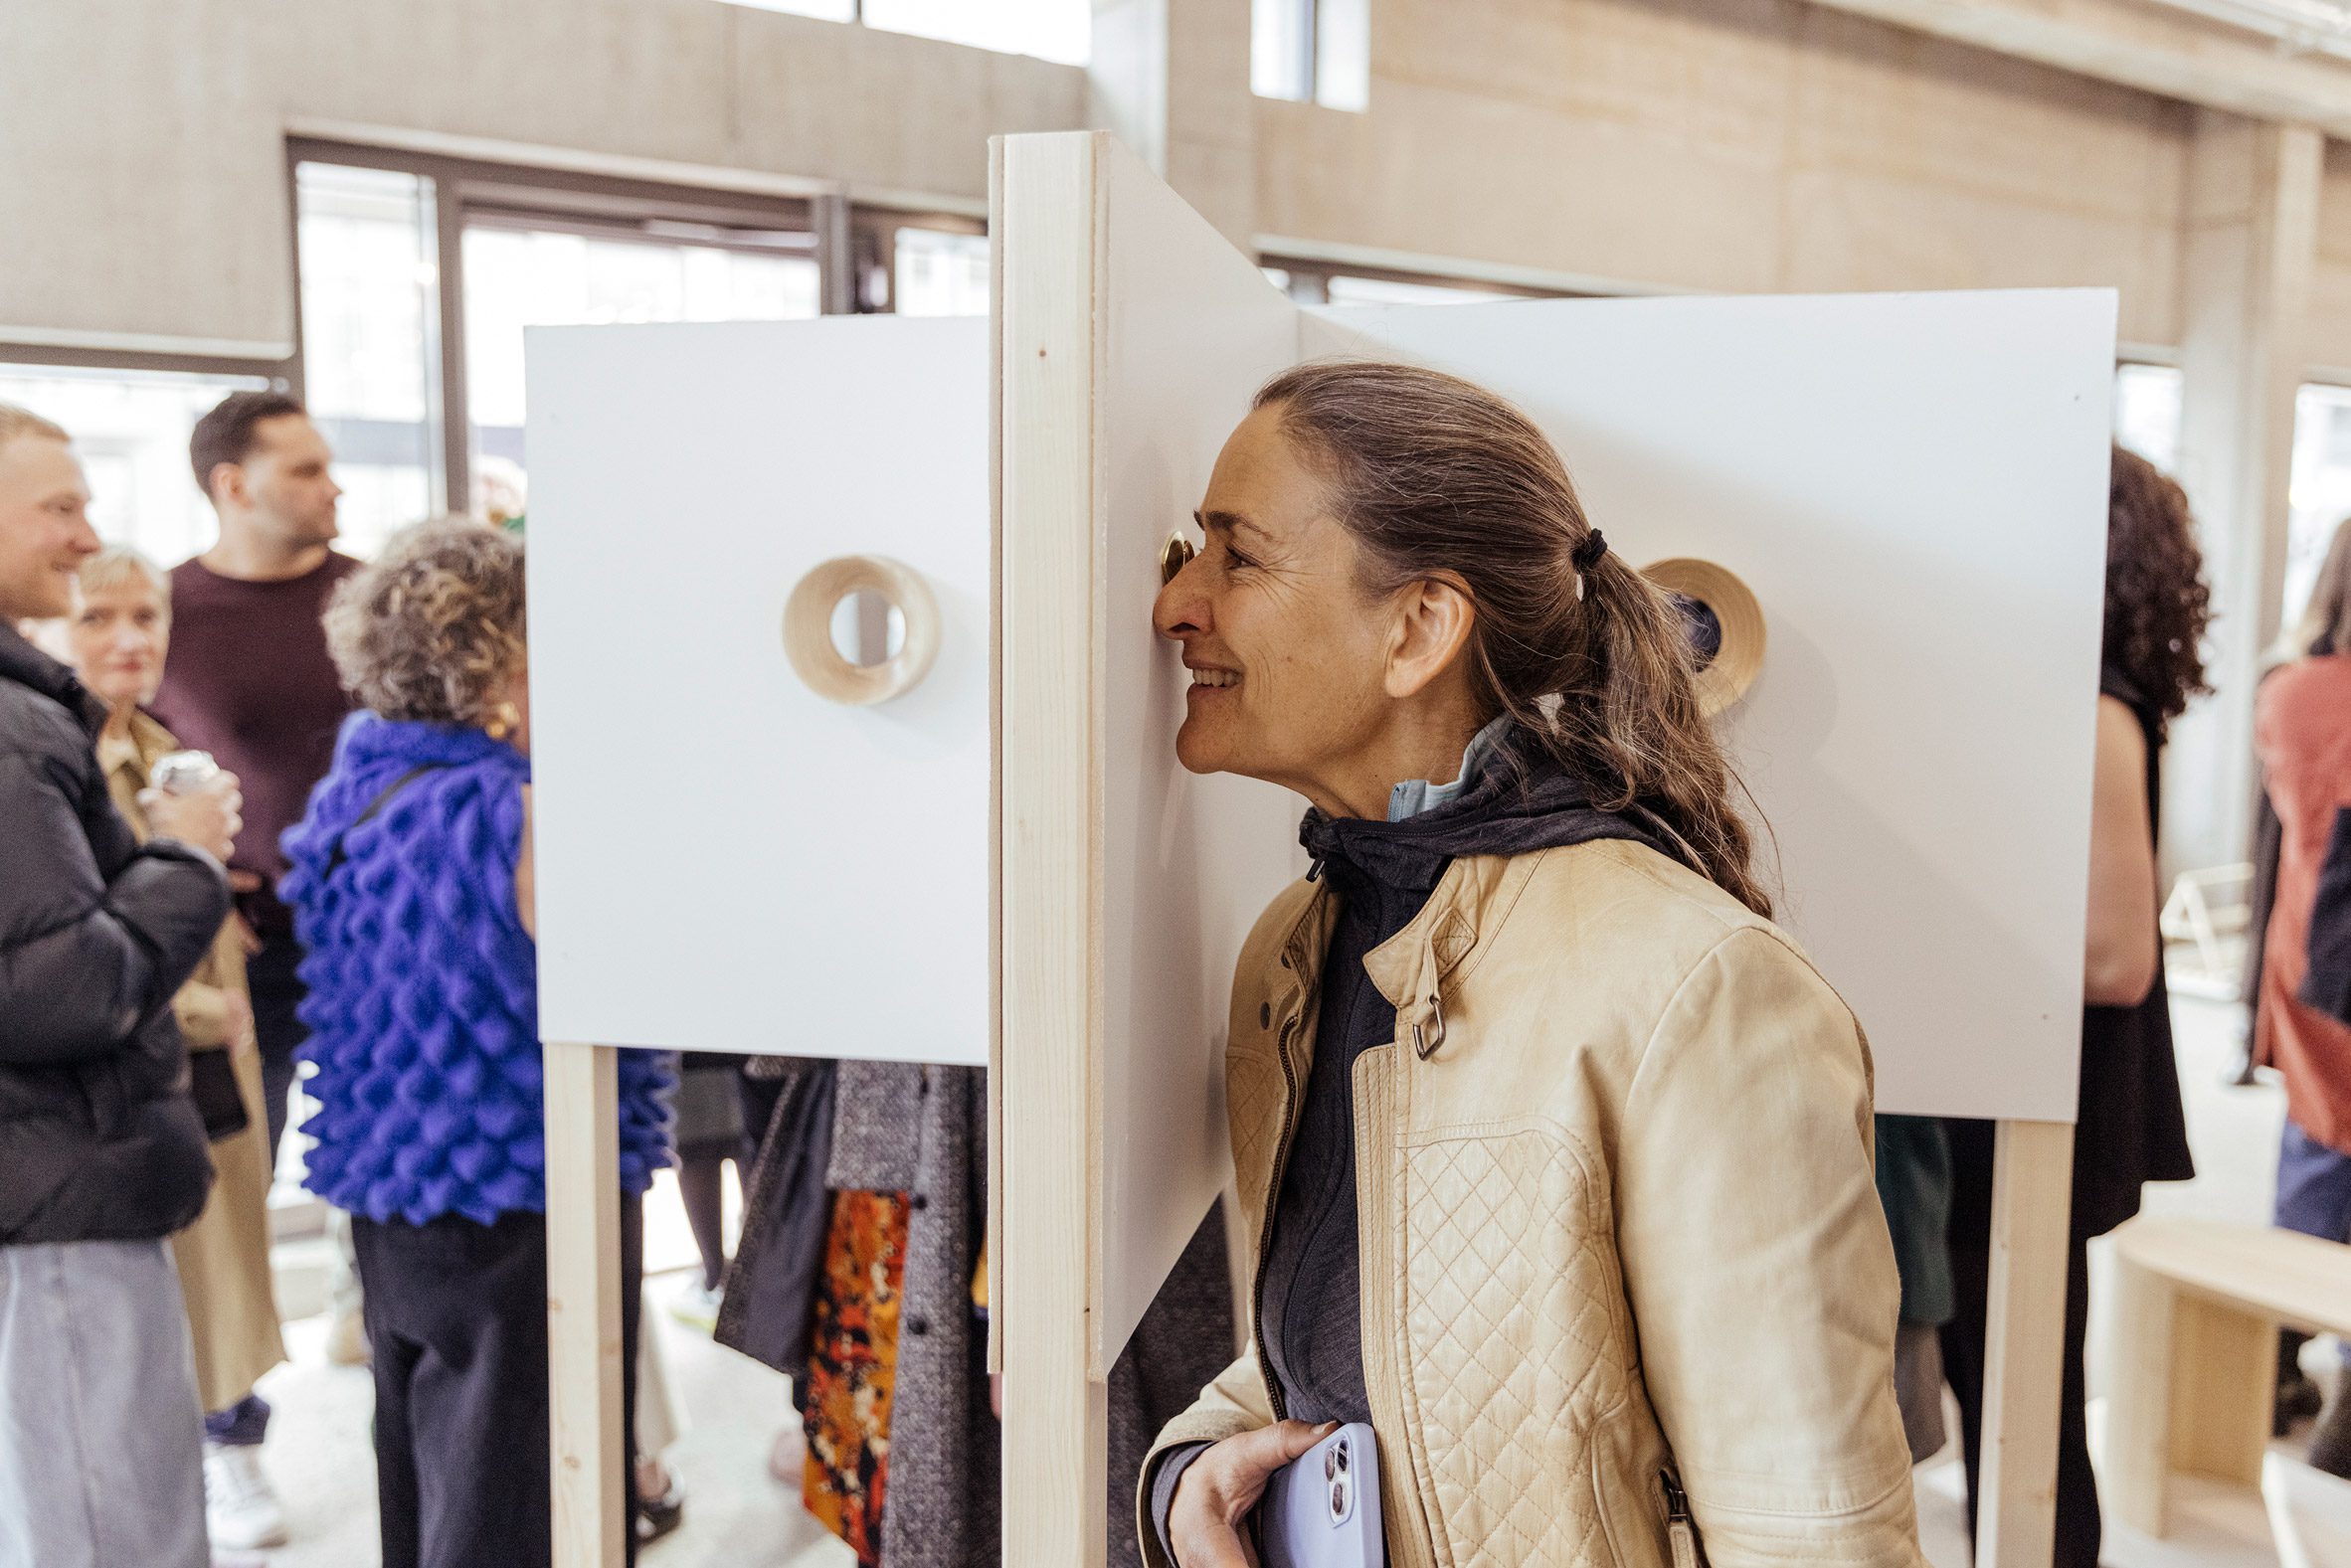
point(1180, 610)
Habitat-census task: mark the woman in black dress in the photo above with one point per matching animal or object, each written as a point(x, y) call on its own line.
point(2129, 1130)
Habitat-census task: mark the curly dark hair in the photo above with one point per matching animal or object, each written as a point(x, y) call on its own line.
point(2157, 603)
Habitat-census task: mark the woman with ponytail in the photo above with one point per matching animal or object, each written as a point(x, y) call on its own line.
point(1554, 1150)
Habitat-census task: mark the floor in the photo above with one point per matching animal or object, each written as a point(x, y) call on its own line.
point(739, 1517)
point(730, 1411)
point(2234, 1132)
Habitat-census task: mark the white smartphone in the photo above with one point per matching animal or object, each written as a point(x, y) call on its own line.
point(1322, 1509)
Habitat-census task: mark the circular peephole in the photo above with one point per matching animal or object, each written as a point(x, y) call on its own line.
point(1702, 626)
point(868, 630)
point(861, 630)
point(1724, 622)
point(1174, 556)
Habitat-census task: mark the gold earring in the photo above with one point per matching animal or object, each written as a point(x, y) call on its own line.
point(504, 721)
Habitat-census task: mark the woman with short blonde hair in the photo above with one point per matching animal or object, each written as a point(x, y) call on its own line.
point(119, 635)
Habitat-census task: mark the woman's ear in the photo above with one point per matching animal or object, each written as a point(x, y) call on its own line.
point(1433, 620)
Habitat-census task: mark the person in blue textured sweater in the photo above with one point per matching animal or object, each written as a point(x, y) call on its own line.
point(412, 892)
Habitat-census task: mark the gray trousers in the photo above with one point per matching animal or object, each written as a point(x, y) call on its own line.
point(101, 1458)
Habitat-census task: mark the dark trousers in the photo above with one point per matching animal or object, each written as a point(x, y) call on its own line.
point(457, 1318)
point(277, 992)
point(2314, 1199)
point(2079, 1527)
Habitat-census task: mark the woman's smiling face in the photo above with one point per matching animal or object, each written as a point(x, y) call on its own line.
point(118, 635)
point(1287, 654)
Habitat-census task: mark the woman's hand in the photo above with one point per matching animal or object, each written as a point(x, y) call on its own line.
point(237, 1012)
point(1220, 1487)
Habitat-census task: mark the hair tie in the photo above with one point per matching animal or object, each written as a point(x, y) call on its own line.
point(1587, 553)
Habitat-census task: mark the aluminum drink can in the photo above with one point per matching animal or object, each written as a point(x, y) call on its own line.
point(184, 772)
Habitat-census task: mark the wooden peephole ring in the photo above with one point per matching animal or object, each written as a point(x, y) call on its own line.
point(1734, 666)
point(1174, 556)
point(807, 630)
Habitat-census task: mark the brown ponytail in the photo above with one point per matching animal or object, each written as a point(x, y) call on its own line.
point(1438, 478)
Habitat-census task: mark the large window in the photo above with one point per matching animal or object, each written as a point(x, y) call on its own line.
point(1311, 52)
point(1311, 282)
point(519, 276)
point(936, 273)
point(131, 430)
point(370, 342)
point(1060, 29)
point(2147, 412)
point(421, 275)
point(2321, 488)
point(1343, 288)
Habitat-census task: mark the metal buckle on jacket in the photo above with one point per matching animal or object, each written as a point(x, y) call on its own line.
point(1427, 1040)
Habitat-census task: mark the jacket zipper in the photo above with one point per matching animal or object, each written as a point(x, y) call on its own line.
point(1681, 1529)
point(1273, 1392)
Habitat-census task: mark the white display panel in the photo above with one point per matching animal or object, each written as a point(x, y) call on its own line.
point(1915, 487)
point(1192, 331)
point(727, 861)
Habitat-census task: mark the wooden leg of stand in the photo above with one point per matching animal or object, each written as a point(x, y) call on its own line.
point(2024, 1351)
point(583, 1304)
point(2224, 1379)
point(2136, 1480)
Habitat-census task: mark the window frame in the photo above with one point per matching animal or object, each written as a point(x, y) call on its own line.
point(496, 194)
point(873, 249)
point(1310, 279)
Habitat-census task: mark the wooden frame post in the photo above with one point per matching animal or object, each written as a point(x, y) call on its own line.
point(583, 1123)
point(2024, 1343)
point(1056, 1426)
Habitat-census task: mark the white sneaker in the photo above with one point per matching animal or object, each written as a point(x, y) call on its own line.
point(694, 1304)
point(241, 1509)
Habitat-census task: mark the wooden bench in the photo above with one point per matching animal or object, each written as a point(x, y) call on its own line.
point(2198, 1307)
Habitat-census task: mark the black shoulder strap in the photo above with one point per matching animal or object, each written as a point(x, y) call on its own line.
point(375, 808)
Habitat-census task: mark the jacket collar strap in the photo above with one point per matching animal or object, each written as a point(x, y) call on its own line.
point(1411, 967)
point(1309, 939)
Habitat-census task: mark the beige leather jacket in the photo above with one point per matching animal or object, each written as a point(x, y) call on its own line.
point(1620, 1240)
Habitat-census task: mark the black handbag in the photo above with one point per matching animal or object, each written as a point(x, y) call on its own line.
point(768, 1307)
point(212, 1082)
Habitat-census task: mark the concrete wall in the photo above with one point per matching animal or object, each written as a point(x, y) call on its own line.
point(1712, 144)
point(142, 176)
point(2329, 347)
point(1738, 145)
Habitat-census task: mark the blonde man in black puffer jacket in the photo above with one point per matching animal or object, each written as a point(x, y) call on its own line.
point(101, 1151)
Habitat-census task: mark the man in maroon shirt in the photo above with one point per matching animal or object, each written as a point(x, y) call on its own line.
point(250, 681)
point(249, 678)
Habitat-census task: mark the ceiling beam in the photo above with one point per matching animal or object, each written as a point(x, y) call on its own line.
point(2145, 44)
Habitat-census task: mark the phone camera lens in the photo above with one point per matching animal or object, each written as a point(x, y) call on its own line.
point(1330, 1464)
point(1338, 1456)
point(1339, 1499)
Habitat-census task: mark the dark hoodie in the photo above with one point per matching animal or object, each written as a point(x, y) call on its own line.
point(1310, 1321)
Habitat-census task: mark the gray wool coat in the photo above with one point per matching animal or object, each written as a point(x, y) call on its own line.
point(922, 1130)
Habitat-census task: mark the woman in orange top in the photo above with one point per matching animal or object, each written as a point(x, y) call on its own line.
point(2302, 732)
